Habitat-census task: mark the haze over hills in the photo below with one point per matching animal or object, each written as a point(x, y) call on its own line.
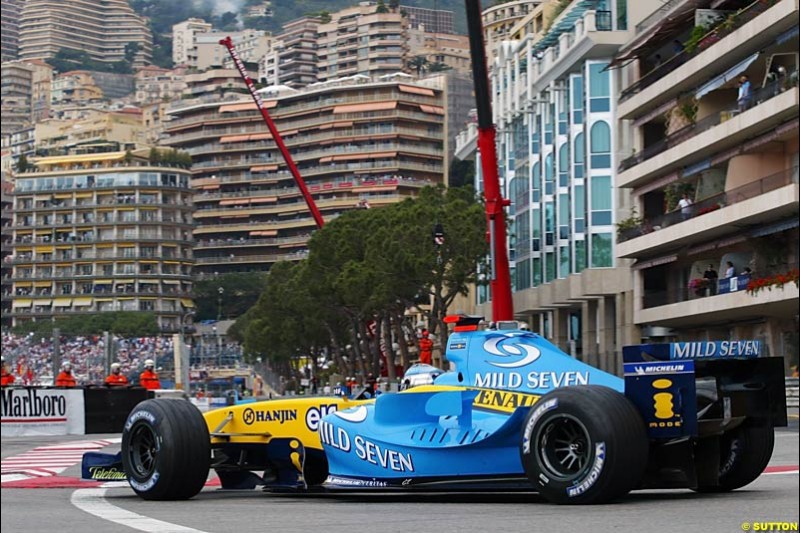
point(229, 15)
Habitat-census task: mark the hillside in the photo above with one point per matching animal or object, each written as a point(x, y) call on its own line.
point(163, 14)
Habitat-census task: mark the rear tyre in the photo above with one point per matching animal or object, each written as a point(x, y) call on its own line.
point(166, 449)
point(584, 445)
point(744, 454)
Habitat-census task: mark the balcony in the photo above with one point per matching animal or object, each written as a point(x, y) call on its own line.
point(769, 108)
point(743, 33)
point(731, 301)
point(759, 202)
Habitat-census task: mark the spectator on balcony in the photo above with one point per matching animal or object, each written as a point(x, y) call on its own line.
point(730, 271)
point(745, 93)
point(711, 276)
point(685, 205)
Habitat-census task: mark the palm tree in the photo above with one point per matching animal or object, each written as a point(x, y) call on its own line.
point(419, 63)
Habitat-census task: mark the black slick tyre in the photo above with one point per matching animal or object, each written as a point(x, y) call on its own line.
point(744, 453)
point(584, 445)
point(166, 449)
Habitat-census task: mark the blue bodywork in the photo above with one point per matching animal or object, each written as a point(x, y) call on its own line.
point(465, 428)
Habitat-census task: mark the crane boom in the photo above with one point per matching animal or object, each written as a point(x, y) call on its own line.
point(227, 42)
point(500, 281)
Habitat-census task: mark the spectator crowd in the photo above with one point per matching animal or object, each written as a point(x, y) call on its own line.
point(30, 357)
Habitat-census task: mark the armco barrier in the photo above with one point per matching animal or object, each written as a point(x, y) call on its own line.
point(107, 408)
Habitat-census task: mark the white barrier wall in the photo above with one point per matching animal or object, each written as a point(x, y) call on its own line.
point(31, 411)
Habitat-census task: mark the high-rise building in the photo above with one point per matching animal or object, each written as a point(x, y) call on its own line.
point(712, 162)
point(430, 20)
point(356, 143)
point(10, 11)
point(102, 232)
point(101, 29)
point(251, 46)
point(108, 129)
point(553, 103)
point(442, 51)
point(360, 40)
point(292, 61)
point(184, 51)
point(16, 87)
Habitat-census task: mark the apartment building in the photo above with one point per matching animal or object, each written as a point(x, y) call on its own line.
point(357, 143)
point(429, 20)
point(75, 87)
point(554, 101)
point(124, 128)
point(362, 41)
point(6, 217)
point(292, 60)
point(15, 145)
point(101, 29)
point(499, 19)
point(10, 11)
point(184, 51)
point(441, 50)
point(155, 84)
point(16, 82)
point(732, 153)
point(101, 232)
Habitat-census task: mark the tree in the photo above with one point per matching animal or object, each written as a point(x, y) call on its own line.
point(419, 64)
point(394, 5)
point(131, 49)
point(437, 66)
point(22, 164)
point(381, 7)
point(461, 173)
point(241, 291)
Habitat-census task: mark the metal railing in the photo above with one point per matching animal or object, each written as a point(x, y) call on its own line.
point(719, 287)
point(711, 38)
point(711, 204)
point(757, 98)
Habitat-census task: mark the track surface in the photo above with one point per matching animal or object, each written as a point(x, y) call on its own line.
point(82, 507)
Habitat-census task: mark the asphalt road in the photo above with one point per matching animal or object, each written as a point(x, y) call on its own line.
point(772, 498)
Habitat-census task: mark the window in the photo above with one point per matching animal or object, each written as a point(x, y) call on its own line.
point(563, 216)
point(580, 155)
point(601, 200)
point(601, 250)
point(550, 267)
point(536, 230)
point(548, 174)
point(580, 256)
point(537, 187)
point(599, 88)
point(579, 193)
point(563, 165)
point(601, 145)
point(563, 263)
point(622, 15)
point(577, 99)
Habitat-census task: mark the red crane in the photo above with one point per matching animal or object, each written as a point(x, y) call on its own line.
point(500, 279)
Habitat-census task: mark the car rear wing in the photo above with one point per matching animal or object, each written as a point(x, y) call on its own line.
point(728, 382)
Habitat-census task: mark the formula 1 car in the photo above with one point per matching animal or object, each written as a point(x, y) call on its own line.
point(515, 413)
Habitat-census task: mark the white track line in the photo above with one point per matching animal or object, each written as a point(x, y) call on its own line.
point(93, 501)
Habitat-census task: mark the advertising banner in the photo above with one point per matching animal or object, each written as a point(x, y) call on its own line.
point(30, 411)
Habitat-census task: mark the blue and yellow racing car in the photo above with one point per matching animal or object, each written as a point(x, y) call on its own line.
point(515, 412)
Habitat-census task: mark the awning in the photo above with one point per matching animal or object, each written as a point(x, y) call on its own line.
point(209, 187)
point(104, 300)
point(265, 200)
point(264, 233)
point(171, 282)
point(82, 301)
point(433, 109)
point(22, 302)
point(63, 195)
point(124, 281)
point(149, 281)
point(655, 262)
point(43, 301)
point(102, 281)
point(416, 90)
point(42, 283)
point(232, 108)
point(233, 139)
point(62, 302)
point(375, 155)
point(44, 249)
point(657, 184)
point(360, 108)
point(264, 168)
point(777, 227)
point(260, 137)
point(83, 195)
point(22, 284)
point(725, 77)
point(186, 302)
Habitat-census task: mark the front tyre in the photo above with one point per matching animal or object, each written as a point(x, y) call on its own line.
point(584, 445)
point(166, 449)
